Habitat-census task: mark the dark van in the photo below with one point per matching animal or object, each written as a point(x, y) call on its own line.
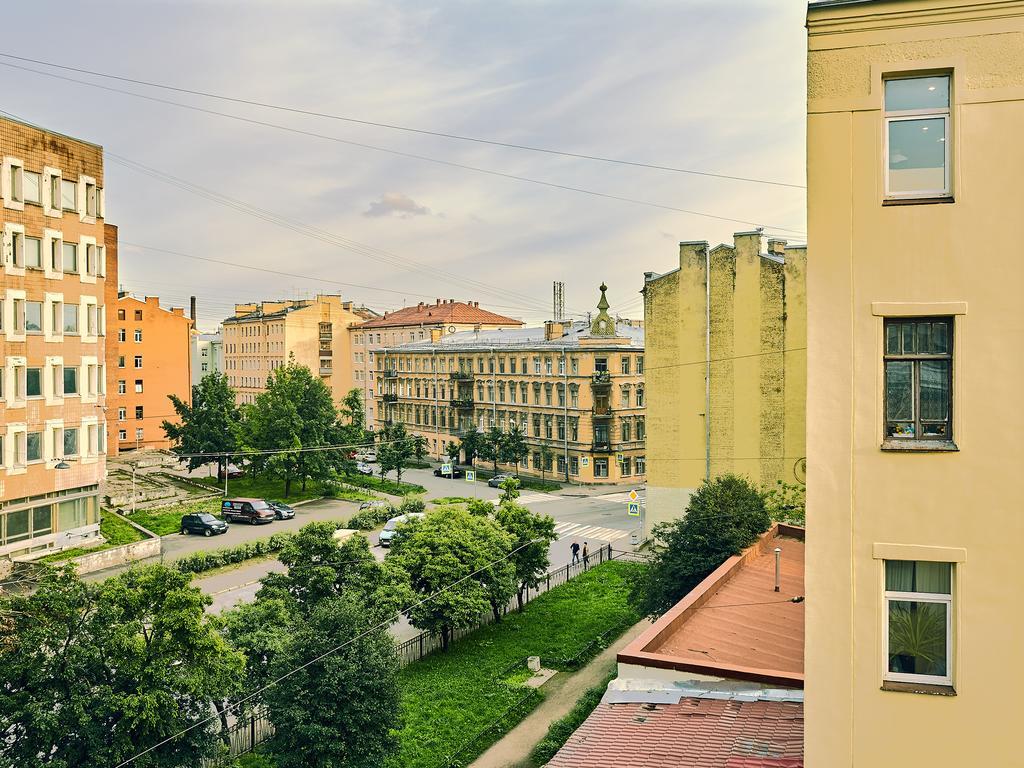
point(252, 511)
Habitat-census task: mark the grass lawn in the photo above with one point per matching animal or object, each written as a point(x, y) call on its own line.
point(260, 487)
point(451, 500)
point(383, 486)
point(115, 530)
point(525, 483)
point(447, 699)
point(168, 519)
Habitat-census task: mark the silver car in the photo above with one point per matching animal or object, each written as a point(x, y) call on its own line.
point(391, 527)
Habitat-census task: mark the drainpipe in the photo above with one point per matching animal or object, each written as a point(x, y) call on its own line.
point(707, 363)
point(565, 410)
point(437, 432)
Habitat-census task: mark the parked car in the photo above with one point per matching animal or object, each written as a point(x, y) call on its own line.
point(456, 472)
point(281, 510)
point(203, 523)
point(368, 458)
point(374, 504)
point(233, 472)
point(363, 468)
point(252, 511)
point(391, 527)
point(497, 480)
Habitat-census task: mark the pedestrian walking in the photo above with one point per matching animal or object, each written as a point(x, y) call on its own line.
point(586, 555)
point(575, 552)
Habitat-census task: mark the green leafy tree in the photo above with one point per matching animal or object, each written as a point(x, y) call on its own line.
point(92, 674)
point(546, 455)
point(514, 449)
point(207, 425)
point(452, 450)
point(786, 502)
point(260, 630)
point(296, 411)
point(341, 711)
point(532, 535)
point(724, 516)
point(471, 444)
point(509, 490)
point(490, 446)
point(353, 429)
point(480, 507)
point(396, 448)
point(459, 559)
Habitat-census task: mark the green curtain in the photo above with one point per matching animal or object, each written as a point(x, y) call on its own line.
point(918, 576)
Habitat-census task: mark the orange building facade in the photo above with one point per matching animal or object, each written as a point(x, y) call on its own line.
point(152, 359)
point(52, 340)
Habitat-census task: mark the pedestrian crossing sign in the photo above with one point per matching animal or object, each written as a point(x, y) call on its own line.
point(470, 475)
point(634, 509)
point(584, 461)
point(446, 469)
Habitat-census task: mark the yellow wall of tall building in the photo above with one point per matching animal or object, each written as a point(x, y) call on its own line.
point(961, 259)
point(758, 365)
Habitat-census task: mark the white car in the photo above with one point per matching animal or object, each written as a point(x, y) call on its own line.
point(367, 458)
point(391, 526)
point(363, 468)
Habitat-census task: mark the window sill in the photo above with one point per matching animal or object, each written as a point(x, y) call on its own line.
point(919, 446)
point(924, 688)
point(917, 200)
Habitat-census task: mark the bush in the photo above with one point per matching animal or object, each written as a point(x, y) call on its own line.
point(200, 562)
point(369, 518)
point(412, 505)
point(786, 503)
point(560, 730)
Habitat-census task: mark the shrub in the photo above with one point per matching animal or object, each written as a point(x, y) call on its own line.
point(369, 518)
point(412, 505)
point(786, 502)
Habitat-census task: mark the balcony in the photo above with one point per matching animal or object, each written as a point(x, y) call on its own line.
point(601, 379)
point(388, 373)
point(388, 397)
point(461, 375)
point(461, 402)
point(326, 370)
point(601, 412)
point(601, 446)
point(326, 353)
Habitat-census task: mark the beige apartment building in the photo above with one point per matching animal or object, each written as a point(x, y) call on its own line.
point(409, 324)
point(261, 337)
point(575, 389)
point(726, 368)
point(915, 339)
point(52, 340)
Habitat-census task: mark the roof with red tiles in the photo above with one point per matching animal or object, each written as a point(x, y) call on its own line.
point(695, 733)
point(734, 625)
point(442, 311)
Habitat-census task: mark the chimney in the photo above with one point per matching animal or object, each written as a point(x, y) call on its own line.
point(435, 335)
point(192, 307)
point(437, 302)
point(553, 330)
point(776, 247)
point(476, 303)
point(420, 305)
point(179, 311)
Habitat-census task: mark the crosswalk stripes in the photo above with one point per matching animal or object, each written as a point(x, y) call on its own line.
point(598, 532)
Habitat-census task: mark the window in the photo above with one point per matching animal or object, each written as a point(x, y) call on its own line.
point(138, 361)
point(600, 364)
point(33, 253)
point(122, 414)
point(122, 334)
point(70, 380)
point(16, 191)
point(32, 187)
point(640, 430)
point(139, 412)
point(138, 314)
point(34, 446)
point(91, 206)
point(138, 433)
point(70, 257)
point(122, 434)
point(574, 365)
point(918, 379)
point(600, 467)
point(120, 361)
point(122, 386)
point(626, 469)
point(120, 314)
point(547, 365)
point(34, 316)
point(574, 465)
point(206, 367)
point(70, 318)
point(917, 140)
point(71, 442)
point(33, 382)
point(17, 249)
point(639, 367)
point(918, 615)
point(536, 365)
point(138, 335)
point(625, 397)
point(641, 465)
point(639, 398)
point(625, 365)
point(69, 195)
point(626, 431)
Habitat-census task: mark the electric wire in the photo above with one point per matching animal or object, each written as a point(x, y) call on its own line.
point(396, 127)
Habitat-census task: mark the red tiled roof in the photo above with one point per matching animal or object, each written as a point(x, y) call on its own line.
point(444, 311)
point(695, 733)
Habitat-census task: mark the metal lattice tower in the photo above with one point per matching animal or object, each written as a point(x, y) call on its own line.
point(559, 301)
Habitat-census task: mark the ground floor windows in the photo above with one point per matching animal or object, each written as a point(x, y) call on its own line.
point(44, 519)
point(918, 616)
point(600, 467)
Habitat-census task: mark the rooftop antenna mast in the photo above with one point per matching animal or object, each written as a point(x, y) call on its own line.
point(559, 302)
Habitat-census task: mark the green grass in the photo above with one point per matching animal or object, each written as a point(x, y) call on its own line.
point(451, 500)
point(168, 519)
point(116, 532)
point(560, 730)
point(261, 487)
point(525, 483)
point(383, 486)
point(352, 494)
point(447, 699)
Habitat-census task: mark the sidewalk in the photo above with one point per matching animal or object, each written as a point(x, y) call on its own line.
point(561, 695)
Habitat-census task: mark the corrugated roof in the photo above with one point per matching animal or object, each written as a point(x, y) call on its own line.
point(442, 312)
point(695, 733)
point(525, 338)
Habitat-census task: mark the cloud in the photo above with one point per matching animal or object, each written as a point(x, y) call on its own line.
point(396, 204)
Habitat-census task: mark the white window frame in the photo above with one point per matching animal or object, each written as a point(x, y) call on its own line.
point(922, 597)
point(13, 198)
point(25, 199)
point(87, 270)
point(908, 115)
point(49, 209)
point(53, 268)
point(85, 184)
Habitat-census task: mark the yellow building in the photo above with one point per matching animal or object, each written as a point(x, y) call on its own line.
point(915, 119)
point(575, 388)
point(261, 337)
point(726, 368)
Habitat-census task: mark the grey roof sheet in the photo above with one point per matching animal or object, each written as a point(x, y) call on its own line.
point(523, 338)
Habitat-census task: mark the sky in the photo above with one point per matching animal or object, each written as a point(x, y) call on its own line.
point(716, 86)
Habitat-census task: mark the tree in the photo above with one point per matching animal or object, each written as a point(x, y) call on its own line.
point(396, 448)
point(452, 450)
point(724, 516)
point(296, 411)
point(95, 673)
point(208, 425)
point(509, 490)
point(490, 446)
point(461, 561)
point(260, 630)
point(514, 449)
point(342, 711)
point(353, 428)
point(786, 502)
point(546, 455)
point(532, 535)
point(471, 444)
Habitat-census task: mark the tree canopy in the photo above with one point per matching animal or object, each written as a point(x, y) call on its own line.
point(724, 516)
point(207, 425)
point(532, 535)
point(514, 449)
point(396, 447)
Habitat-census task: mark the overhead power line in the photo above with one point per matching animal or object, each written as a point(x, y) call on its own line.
point(405, 128)
point(399, 153)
